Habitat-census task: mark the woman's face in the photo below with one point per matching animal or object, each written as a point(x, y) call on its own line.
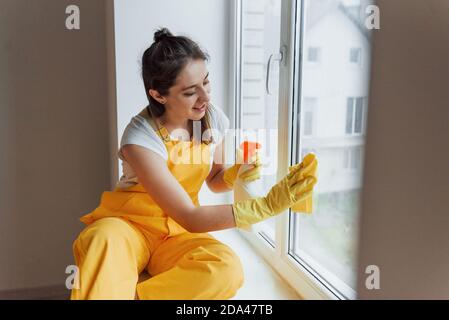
point(188, 98)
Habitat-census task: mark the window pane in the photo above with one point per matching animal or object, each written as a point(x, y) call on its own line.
point(326, 240)
point(353, 159)
point(345, 159)
point(358, 115)
point(357, 158)
point(259, 111)
point(313, 54)
point(349, 113)
point(354, 56)
point(308, 119)
point(308, 107)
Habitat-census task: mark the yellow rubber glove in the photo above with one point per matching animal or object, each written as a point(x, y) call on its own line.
point(230, 174)
point(294, 187)
point(253, 173)
point(311, 163)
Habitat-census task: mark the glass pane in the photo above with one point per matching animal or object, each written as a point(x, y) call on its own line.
point(259, 111)
point(308, 119)
point(326, 240)
point(345, 159)
point(313, 55)
point(355, 55)
point(358, 115)
point(349, 113)
point(308, 111)
point(357, 158)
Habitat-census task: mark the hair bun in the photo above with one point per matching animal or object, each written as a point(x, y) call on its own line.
point(161, 34)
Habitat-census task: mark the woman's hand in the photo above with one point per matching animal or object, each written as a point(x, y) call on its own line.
point(253, 173)
point(295, 187)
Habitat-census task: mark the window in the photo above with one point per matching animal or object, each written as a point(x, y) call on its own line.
point(314, 55)
point(352, 158)
point(355, 56)
point(260, 38)
point(309, 105)
point(308, 122)
point(310, 111)
point(325, 242)
point(354, 115)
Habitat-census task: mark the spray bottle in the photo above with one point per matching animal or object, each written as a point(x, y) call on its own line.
point(252, 189)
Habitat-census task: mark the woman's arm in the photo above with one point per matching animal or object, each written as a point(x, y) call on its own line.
point(215, 180)
point(152, 172)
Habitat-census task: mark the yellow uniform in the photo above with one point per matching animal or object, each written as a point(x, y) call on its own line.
point(128, 233)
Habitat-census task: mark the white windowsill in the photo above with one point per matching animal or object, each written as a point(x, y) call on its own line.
point(261, 281)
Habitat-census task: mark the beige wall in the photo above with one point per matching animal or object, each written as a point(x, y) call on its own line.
point(405, 204)
point(54, 135)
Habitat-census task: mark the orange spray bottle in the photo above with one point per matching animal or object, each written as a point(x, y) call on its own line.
point(245, 190)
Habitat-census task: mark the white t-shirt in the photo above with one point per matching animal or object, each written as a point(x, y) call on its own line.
point(140, 132)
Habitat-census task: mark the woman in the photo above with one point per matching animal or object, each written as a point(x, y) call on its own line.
point(152, 220)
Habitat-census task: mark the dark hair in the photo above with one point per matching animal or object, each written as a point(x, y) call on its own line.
point(161, 64)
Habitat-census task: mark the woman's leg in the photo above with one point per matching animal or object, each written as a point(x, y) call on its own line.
point(192, 266)
point(110, 253)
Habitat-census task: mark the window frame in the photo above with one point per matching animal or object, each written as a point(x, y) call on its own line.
point(297, 275)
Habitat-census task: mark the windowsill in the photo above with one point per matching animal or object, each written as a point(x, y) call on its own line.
point(261, 281)
point(294, 276)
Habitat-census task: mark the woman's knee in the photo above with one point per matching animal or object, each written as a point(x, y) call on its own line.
point(232, 269)
point(105, 232)
point(228, 271)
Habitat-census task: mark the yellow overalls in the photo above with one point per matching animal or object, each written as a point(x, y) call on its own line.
point(128, 233)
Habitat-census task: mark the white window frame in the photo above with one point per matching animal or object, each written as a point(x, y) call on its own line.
point(302, 279)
